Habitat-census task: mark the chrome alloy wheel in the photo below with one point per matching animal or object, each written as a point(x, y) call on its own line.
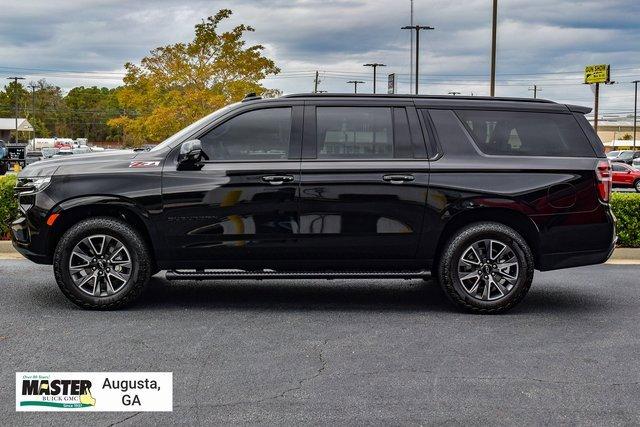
point(100, 265)
point(488, 269)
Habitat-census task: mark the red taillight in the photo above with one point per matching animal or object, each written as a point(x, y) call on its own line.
point(603, 175)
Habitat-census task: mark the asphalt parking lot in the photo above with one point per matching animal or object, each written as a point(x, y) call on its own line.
point(320, 352)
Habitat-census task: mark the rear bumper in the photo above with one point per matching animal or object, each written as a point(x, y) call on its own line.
point(575, 259)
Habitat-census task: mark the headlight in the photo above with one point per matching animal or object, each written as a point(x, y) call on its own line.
point(33, 185)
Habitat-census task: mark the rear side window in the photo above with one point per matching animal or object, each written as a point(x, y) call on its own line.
point(354, 132)
point(515, 133)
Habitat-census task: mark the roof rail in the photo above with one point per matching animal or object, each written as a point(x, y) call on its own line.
point(251, 97)
point(406, 96)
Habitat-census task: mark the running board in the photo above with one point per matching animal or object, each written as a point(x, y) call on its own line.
point(270, 274)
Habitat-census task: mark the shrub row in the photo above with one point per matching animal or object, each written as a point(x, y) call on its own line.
point(626, 207)
point(8, 204)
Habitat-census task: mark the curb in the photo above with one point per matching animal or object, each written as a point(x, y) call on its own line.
point(620, 255)
point(6, 247)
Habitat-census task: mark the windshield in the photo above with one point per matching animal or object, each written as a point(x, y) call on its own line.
point(613, 154)
point(181, 134)
point(626, 155)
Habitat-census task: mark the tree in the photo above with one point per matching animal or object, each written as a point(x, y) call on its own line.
point(89, 109)
point(177, 84)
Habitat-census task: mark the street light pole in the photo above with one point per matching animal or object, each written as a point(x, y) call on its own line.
point(635, 112)
point(375, 66)
point(15, 101)
point(355, 84)
point(417, 28)
point(33, 87)
point(494, 30)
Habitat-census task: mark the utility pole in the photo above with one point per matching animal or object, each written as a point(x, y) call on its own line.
point(411, 52)
point(635, 112)
point(355, 84)
point(494, 30)
point(33, 87)
point(417, 28)
point(316, 82)
point(375, 66)
point(453, 93)
point(535, 91)
point(15, 100)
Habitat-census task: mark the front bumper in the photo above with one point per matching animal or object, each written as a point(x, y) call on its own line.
point(30, 241)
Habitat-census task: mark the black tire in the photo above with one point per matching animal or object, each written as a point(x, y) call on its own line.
point(451, 262)
point(138, 252)
point(636, 185)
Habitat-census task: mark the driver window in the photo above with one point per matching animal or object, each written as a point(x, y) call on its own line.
point(254, 135)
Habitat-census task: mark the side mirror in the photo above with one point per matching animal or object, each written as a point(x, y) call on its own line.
point(190, 156)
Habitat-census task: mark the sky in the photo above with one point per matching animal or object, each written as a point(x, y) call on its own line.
point(542, 42)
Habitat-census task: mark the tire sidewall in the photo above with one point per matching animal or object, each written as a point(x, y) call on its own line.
point(78, 233)
point(448, 271)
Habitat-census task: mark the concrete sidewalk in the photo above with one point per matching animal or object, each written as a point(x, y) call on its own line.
point(620, 255)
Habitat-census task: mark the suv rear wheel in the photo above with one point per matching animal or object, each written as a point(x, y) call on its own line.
point(102, 263)
point(486, 268)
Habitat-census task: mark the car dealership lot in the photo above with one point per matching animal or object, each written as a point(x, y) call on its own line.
point(337, 351)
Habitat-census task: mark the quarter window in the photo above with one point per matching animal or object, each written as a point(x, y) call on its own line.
point(514, 133)
point(254, 135)
point(354, 132)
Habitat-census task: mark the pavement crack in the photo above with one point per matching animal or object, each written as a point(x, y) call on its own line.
point(319, 371)
point(128, 417)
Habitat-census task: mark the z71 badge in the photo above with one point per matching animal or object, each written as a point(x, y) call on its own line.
point(139, 164)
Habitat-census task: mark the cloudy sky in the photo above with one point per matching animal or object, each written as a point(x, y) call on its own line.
point(543, 42)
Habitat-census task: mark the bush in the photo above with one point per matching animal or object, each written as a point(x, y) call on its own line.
point(8, 204)
point(626, 208)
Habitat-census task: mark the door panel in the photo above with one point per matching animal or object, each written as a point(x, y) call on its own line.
point(362, 194)
point(242, 205)
point(349, 210)
point(234, 211)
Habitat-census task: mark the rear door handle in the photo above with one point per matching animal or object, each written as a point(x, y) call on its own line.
point(398, 179)
point(277, 179)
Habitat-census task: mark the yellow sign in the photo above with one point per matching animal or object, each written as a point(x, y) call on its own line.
point(596, 74)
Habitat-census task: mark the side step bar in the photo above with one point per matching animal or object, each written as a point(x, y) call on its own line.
point(270, 274)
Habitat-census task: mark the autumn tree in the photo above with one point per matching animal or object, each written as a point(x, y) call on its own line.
point(177, 84)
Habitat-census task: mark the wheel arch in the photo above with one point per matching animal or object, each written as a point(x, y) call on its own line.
point(73, 211)
point(509, 217)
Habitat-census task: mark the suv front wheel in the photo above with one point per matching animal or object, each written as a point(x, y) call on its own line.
point(486, 268)
point(102, 263)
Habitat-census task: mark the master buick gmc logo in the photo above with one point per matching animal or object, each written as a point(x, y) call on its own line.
point(57, 393)
point(140, 164)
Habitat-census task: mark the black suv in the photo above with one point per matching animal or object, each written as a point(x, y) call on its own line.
point(476, 192)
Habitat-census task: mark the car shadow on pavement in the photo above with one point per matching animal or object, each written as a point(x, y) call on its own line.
point(334, 295)
point(344, 295)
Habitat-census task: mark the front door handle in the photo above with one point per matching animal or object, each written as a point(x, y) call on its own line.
point(277, 179)
point(398, 179)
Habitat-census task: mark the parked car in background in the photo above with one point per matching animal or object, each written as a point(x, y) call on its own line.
point(636, 163)
point(3, 154)
point(624, 175)
point(623, 156)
